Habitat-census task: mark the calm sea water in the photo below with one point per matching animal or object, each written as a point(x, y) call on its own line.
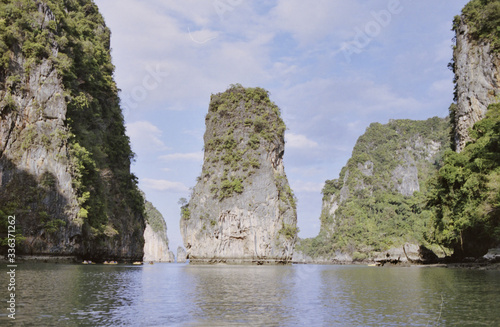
point(298, 295)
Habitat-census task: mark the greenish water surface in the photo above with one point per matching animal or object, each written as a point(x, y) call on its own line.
point(298, 295)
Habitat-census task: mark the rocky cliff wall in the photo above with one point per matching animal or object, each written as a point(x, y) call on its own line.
point(242, 209)
point(155, 247)
point(378, 203)
point(477, 76)
point(64, 156)
point(35, 170)
point(399, 157)
point(155, 237)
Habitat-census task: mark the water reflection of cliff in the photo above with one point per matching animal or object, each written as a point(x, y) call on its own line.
point(241, 295)
point(51, 295)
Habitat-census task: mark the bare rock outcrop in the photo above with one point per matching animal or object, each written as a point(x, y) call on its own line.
point(375, 204)
point(155, 237)
point(181, 255)
point(64, 156)
point(242, 209)
point(477, 75)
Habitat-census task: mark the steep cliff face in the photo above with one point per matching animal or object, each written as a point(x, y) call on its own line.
point(36, 176)
point(242, 209)
point(155, 237)
point(466, 191)
point(181, 255)
point(476, 63)
point(64, 155)
point(378, 201)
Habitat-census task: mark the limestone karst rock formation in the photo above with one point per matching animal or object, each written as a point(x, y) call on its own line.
point(476, 64)
point(64, 156)
point(377, 203)
point(181, 255)
point(155, 237)
point(242, 209)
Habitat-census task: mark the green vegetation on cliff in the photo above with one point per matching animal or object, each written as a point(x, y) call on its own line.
point(465, 195)
point(240, 122)
point(379, 200)
point(242, 208)
point(483, 19)
point(72, 36)
point(155, 219)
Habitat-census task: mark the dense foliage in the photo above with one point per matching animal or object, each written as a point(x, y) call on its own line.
point(483, 19)
point(244, 129)
point(240, 121)
point(372, 215)
point(465, 195)
point(71, 34)
point(155, 219)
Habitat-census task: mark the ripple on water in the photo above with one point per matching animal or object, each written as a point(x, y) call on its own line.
point(183, 295)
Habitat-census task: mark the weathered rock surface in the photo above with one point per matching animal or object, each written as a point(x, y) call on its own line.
point(155, 237)
point(34, 158)
point(181, 255)
point(337, 258)
point(477, 74)
point(242, 209)
point(399, 167)
point(377, 204)
point(47, 175)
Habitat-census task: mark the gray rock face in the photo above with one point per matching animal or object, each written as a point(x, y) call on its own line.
point(34, 150)
point(477, 70)
point(181, 255)
point(404, 178)
point(242, 210)
point(397, 157)
point(155, 237)
point(43, 164)
point(155, 247)
point(338, 258)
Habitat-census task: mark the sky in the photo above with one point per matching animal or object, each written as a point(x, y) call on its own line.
point(332, 66)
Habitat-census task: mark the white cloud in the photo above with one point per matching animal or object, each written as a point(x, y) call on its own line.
point(193, 156)
point(299, 141)
point(163, 185)
point(187, 39)
point(287, 47)
point(309, 22)
point(301, 186)
point(145, 137)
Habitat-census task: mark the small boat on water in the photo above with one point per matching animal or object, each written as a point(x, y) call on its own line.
point(137, 263)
